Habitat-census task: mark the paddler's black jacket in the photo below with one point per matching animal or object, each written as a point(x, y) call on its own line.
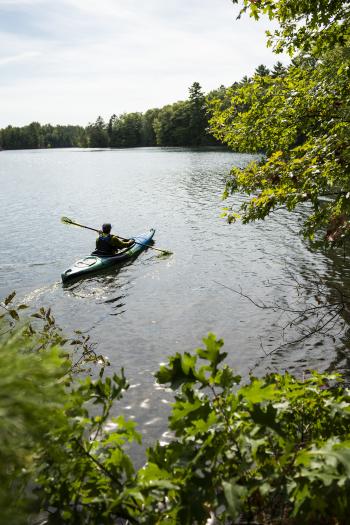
point(108, 244)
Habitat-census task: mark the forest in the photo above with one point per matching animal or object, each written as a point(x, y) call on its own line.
point(184, 123)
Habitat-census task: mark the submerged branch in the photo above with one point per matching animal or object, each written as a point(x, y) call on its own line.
point(323, 313)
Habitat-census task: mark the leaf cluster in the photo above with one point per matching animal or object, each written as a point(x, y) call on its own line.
point(38, 332)
point(299, 123)
point(272, 449)
point(303, 24)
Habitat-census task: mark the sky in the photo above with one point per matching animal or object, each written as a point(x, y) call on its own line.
point(68, 61)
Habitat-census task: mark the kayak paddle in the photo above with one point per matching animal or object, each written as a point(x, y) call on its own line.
point(66, 220)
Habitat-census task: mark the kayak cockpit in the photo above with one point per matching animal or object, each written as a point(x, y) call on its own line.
point(103, 255)
point(85, 263)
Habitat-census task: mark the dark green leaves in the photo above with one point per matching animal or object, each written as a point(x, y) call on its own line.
point(276, 447)
point(298, 118)
point(264, 449)
point(181, 370)
point(305, 25)
point(9, 298)
point(234, 495)
point(14, 314)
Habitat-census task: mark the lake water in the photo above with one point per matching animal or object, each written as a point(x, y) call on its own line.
point(144, 311)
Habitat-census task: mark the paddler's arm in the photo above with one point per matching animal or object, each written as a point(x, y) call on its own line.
point(118, 243)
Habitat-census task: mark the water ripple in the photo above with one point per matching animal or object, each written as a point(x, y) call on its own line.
point(143, 311)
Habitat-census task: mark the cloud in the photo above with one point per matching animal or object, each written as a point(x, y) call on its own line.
point(18, 3)
point(72, 60)
point(18, 58)
point(104, 8)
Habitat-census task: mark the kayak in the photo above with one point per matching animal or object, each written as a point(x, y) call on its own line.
point(93, 263)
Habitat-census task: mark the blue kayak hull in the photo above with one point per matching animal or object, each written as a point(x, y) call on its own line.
point(93, 263)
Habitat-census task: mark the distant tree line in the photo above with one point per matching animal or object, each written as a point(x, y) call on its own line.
point(184, 123)
point(36, 136)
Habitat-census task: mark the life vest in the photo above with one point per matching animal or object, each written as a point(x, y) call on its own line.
point(103, 245)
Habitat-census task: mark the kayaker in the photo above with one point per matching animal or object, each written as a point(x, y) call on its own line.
point(108, 244)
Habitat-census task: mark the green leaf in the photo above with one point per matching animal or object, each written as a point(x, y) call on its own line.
point(258, 391)
point(151, 476)
point(9, 298)
point(211, 352)
point(267, 417)
point(234, 495)
point(37, 316)
point(14, 314)
point(181, 370)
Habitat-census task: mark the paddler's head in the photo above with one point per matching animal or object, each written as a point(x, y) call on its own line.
point(106, 227)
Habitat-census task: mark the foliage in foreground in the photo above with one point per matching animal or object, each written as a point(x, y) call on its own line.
point(274, 450)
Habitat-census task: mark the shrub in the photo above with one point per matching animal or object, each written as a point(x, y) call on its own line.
point(272, 450)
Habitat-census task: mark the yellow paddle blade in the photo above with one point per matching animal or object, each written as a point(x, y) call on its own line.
point(67, 220)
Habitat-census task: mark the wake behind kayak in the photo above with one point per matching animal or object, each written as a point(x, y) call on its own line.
point(93, 263)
